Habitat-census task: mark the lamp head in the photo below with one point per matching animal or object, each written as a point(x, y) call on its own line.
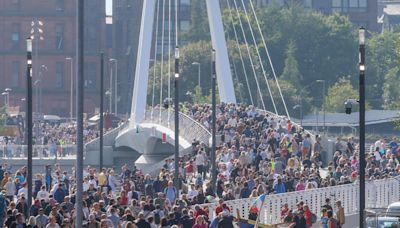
point(361, 36)
point(29, 44)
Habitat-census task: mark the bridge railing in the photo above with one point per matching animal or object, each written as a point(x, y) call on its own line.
point(379, 194)
point(189, 129)
point(39, 151)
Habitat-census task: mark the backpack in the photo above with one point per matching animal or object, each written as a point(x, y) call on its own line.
point(313, 218)
point(157, 218)
point(332, 223)
point(3, 205)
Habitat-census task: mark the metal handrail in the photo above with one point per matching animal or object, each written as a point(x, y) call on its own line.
point(190, 129)
point(40, 151)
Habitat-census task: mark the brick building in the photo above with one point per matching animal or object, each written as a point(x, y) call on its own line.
point(55, 22)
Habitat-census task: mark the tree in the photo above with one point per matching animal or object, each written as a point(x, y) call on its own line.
point(293, 96)
point(391, 92)
point(339, 93)
point(383, 57)
point(199, 28)
point(3, 117)
point(291, 71)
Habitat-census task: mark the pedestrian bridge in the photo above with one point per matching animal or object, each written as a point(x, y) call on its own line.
point(154, 138)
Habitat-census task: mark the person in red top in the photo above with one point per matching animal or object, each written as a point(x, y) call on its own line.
point(190, 168)
point(307, 215)
point(199, 211)
point(289, 126)
point(123, 198)
point(284, 211)
point(221, 207)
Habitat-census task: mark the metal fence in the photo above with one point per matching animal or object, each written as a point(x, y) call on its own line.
point(39, 151)
point(379, 193)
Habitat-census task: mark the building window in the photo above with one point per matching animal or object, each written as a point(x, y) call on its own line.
point(59, 37)
point(308, 3)
point(15, 74)
point(59, 75)
point(15, 36)
point(341, 6)
point(358, 6)
point(60, 6)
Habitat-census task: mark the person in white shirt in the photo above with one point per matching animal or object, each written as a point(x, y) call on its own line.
point(93, 182)
point(232, 122)
point(23, 190)
point(43, 194)
point(200, 162)
point(193, 192)
point(86, 184)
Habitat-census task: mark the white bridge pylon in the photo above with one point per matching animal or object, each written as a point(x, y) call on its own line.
point(224, 75)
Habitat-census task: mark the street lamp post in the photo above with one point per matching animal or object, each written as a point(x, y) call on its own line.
point(362, 122)
point(29, 117)
point(79, 112)
point(176, 173)
point(42, 67)
point(71, 102)
point(199, 71)
point(5, 94)
point(101, 113)
point(323, 101)
point(115, 84)
point(214, 119)
point(8, 91)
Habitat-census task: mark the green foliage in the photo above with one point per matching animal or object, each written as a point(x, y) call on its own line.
point(3, 117)
point(391, 91)
point(292, 95)
point(318, 46)
point(291, 71)
point(382, 57)
point(339, 93)
point(199, 28)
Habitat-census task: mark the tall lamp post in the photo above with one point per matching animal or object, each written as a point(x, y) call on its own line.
point(176, 173)
point(214, 119)
point(79, 112)
point(8, 91)
point(199, 71)
point(101, 113)
point(323, 101)
point(29, 117)
point(115, 84)
point(5, 94)
point(71, 102)
point(361, 37)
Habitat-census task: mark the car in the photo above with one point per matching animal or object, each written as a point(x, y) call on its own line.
point(393, 209)
point(382, 222)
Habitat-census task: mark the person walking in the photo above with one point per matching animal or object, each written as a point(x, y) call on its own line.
point(340, 217)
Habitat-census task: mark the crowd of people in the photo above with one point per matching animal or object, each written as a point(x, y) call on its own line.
point(50, 140)
point(257, 154)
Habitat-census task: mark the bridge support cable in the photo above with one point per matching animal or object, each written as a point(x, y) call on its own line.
point(269, 58)
point(162, 58)
point(240, 53)
point(169, 59)
point(155, 61)
point(259, 57)
point(249, 53)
